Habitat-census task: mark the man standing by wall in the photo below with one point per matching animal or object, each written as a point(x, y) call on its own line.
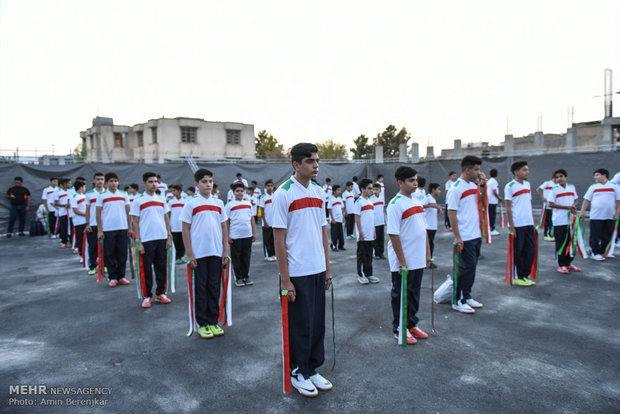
point(20, 204)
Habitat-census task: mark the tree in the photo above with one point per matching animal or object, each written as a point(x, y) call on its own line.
point(391, 140)
point(268, 147)
point(79, 153)
point(331, 150)
point(362, 151)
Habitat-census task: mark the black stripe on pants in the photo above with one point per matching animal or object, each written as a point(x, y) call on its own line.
point(306, 324)
point(561, 233)
point(414, 282)
point(337, 235)
point(91, 238)
point(177, 238)
point(154, 257)
point(364, 258)
point(548, 222)
point(379, 240)
point(349, 223)
point(240, 254)
point(492, 215)
point(115, 253)
point(524, 250)
point(431, 240)
point(600, 235)
point(268, 243)
point(467, 268)
point(207, 289)
point(63, 230)
point(79, 236)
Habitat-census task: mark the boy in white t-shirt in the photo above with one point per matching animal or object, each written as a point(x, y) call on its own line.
point(47, 197)
point(349, 208)
point(452, 177)
point(365, 233)
point(242, 233)
point(563, 200)
point(266, 204)
point(378, 205)
point(431, 210)
point(151, 225)
point(408, 248)
point(132, 191)
point(380, 182)
point(604, 201)
point(175, 205)
point(494, 198)
point(205, 235)
point(113, 228)
point(420, 193)
point(62, 203)
point(335, 208)
point(78, 205)
point(544, 191)
point(91, 220)
point(300, 231)
point(254, 193)
point(518, 196)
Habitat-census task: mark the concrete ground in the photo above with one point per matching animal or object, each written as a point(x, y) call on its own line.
point(552, 348)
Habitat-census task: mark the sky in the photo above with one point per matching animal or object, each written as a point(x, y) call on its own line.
point(304, 70)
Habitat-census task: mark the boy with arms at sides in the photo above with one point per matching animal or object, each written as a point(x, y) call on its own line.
point(408, 247)
point(91, 220)
point(518, 196)
point(175, 206)
point(132, 191)
point(420, 193)
point(452, 176)
point(62, 204)
point(378, 205)
point(78, 205)
point(380, 182)
point(335, 208)
point(365, 233)
point(254, 193)
point(431, 210)
point(191, 191)
point(113, 228)
point(349, 208)
point(544, 191)
point(266, 203)
point(563, 200)
point(47, 197)
point(604, 199)
point(300, 231)
point(205, 235)
point(242, 233)
point(493, 197)
point(465, 222)
point(151, 225)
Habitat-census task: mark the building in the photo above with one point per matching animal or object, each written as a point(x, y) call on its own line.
point(165, 139)
point(56, 159)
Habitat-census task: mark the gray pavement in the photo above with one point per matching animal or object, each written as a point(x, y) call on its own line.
point(552, 348)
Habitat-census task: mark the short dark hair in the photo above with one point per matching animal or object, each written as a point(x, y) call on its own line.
point(201, 173)
point(379, 176)
point(53, 178)
point(236, 185)
point(78, 184)
point(18, 179)
point(148, 175)
point(354, 178)
point(432, 186)
point(109, 176)
point(517, 165)
point(80, 179)
point(376, 185)
point(301, 151)
point(98, 174)
point(158, 176)
point(191, 188)
point(269, 181)
point(403, 172)
point(602, 171)
point(348, 183)
point(181, 186)
point(470, 161)
point(328, 180)
point(421, 181)
point(63, 181)
point(451, 172)
point(126, 188)
point(239, 175)
point(134, 186)
point(560, 171)
point(336, 187)
point(364, 182)
point(254, 182)
point(493, 173)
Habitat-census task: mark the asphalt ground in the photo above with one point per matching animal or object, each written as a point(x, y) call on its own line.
point(551, 348)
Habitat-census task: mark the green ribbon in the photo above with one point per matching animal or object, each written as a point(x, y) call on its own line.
point(333, 325)
point(567, 236)
point(455, 271)
point(403, 306)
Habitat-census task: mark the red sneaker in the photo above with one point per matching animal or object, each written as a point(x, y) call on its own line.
point(146, 303)
point(418, 333)
point(162, 298)
point(124, 281)
point(112, 283)
point(64, 246)
point(562, 269)
point(574, 268)
point(410, 339)
point(76, 251)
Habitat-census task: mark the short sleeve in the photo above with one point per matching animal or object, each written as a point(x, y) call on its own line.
point(393, 219)
point(44, 194)
point(224, 215)
point(126, 199)
point(280, 210)
point(508, 193)
point(357, 209)
point(589, 193)
point(99, 202)
point(227, 209)
point(551, 198)
point(186, 213)
point(543, 185)
point(166, 208)
point(617, 192)
point(134, 210)
point(575, 191)
point(453, 198)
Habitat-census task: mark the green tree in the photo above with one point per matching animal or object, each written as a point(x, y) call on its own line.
point(362, 150)
point(331, 150)
point(79, 153)
point(391, 140)
point(268, 147)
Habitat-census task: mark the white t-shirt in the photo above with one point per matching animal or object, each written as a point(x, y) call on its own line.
point(78, 201)
point(419, 194)
point(91, 202)
point(430, 214)
point(563, 196)
point(366, 211)
point(336, 205)
point(132, 197)
point(300, 210)
point(240, 215)
point(356, 190)
point(206, 216)
point(230, 196)
point(520, 195)
point(378, 204)
point(382, 195)
point(70, 194)
point(349, 201)
point(328, 191)
point(266, 202)
point(603, 199)
point(151, 210)
point(242, 180)
point(175, 205)
point(162, 187)
point(492, 184)
point(616, 178)
point(47, 195)
point(61, 197)
point(546, 188)
point(463, 197)
point(405, 218)
point(113, 210)
point(449, 185)
point(255, 199)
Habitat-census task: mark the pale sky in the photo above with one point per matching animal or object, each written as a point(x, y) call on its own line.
point(304, 70)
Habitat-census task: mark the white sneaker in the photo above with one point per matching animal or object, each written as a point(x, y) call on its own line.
point(495, 233)
point(463, 307)
point(304, 386)
point(363, 280)
point(273, 258)
point(610, 256)
point(597, 257)
point(320, 382)
point(373, 279)
point(473, 303)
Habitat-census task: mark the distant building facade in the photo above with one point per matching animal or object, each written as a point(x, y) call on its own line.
point(56, 159)
point(159, 140)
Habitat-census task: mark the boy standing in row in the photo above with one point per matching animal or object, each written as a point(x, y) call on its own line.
point(47, 197)
point(91, 220)
point(378, 205)
point(242, 233)
point(431, 210)
point(544, 191)
point(563, 200)
point(365, 233)
point(175, 206)
point(349, 209)
point(78, 205)
point(335, 209)
point(266, 203)
point(62, 204)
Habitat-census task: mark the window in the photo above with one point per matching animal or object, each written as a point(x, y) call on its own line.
point(140, 136)
point(188, 134)
point(233, 136)
point(118, 140)
point(154, 134)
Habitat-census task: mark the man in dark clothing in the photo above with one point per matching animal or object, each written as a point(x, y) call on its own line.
point(20, 204)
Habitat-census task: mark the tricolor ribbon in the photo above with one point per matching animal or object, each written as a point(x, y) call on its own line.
point(190, 302)
point(84, 249)
point(502, 218)
point(100, 264)
point(579, 243)
point(609, 250)
point(402, 323)
point(564, 248)
point(432, 296)
point(286, 362)
point(132, 260)
point(141, 279)
point(171, 269)
point(455, 272)
point(333, 325)
point(541, 219)
point(225, 317)
point(534, 271)
point(73, 237)
point(47, 220)
point(510, 262)
point(483, 215)
point(570, 249)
